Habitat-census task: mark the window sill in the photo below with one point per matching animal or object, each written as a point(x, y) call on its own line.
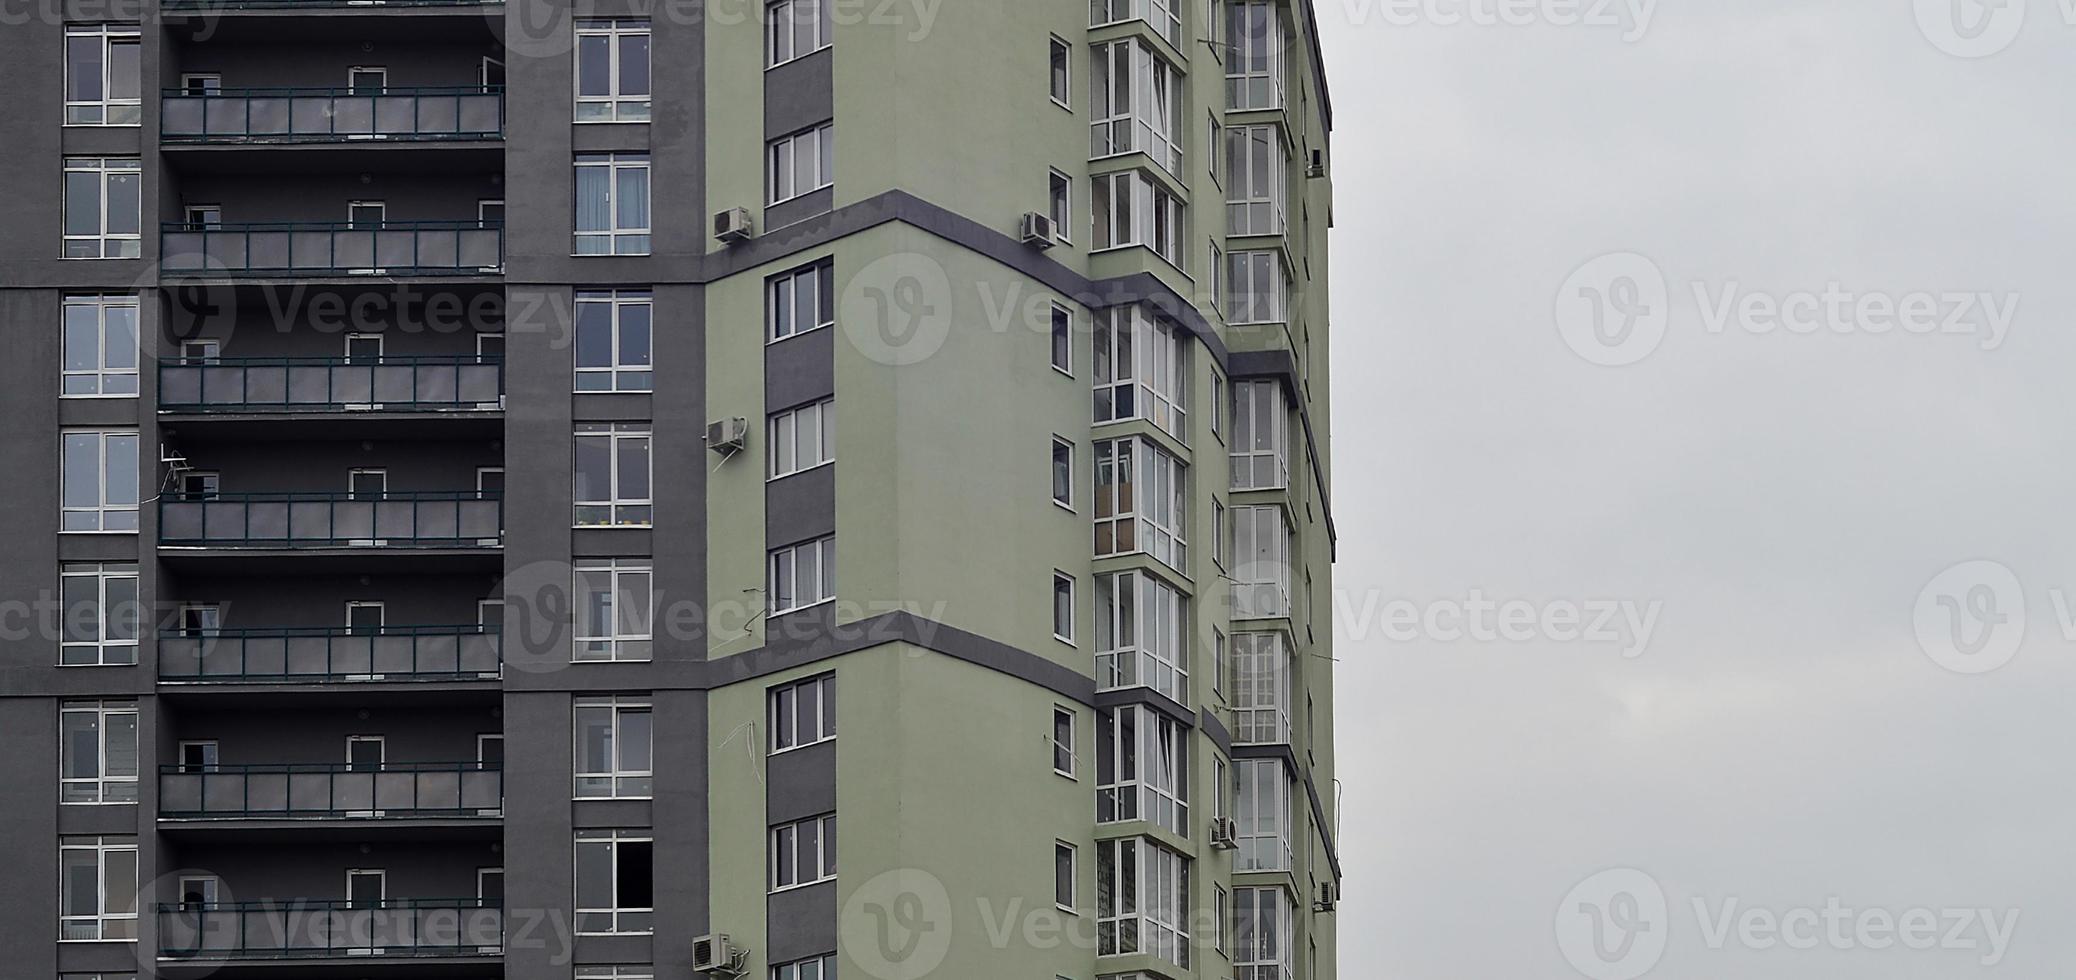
point(805, 469)
point(96, 397)
point(804, 745)
point(799, 886)
point(798, 333)
point(790, 610)
point(798, 196)
point(798, 57)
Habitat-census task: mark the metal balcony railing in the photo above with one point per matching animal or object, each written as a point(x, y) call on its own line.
point(336, 791)
point(297, 248)
point(331, 655)
point(471, 519)
point(178, 6)
point(401, 928)
point(331, 115)
point(473, 382)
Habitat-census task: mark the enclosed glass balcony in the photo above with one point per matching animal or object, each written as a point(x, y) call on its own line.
point(464, 382)
point(332, 791)
point(331, 655)
point(301, 929)
point(328, 115)
point(288, 249)
point(469, 519)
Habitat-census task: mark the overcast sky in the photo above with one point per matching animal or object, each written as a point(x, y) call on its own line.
point(1803, 724)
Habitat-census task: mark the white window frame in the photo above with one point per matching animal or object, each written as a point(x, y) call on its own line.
point(1161, 15)
point(106, 785)
point(1258, 171)
point(1260, 454)
point(1254, 56)
point(785, 839)
point(1142, 768)
point(1261, 688)
point(1260, 917)
point(1262, 812)
point(813, 17)
point(1073, 607)
point(1135, 104)
point(628, 240)
point(104, 242)
point(790, 728)
point(107, 922)
point(1059, 72)
point(1062, 478)
point(627, 368)
point(782, 295)
point(786, 565)
point(108, 110)
point(1153, 920)
point(1153, 653)
point(1059, 197)
point(614, 106)
point(1258, 284)
point(643, 972)
point(112, 368)
point(1062, 340)
point(629, 921)
point(1142, 369)
point(1141, 502)
point(110, 648)
point(821, 967)
point(621, 780)
point(791, 454)
point(1261, 562)
point(622, 505)
point(633, 577)
point(1065, 755)
point(1072, 882)
point(782, 163)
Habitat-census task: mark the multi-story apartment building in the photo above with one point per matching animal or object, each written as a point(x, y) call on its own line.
point(493, 486)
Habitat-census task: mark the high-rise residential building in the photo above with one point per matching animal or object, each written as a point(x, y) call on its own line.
point(784, 489)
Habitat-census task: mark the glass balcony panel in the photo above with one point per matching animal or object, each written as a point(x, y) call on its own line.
point(261, 115)
point(351, 115)
point(397, 115)
point(183, 117)
point(333, 520)
point(339, 249)
point(427, 116)
point(302, 928)
point(401, 250)
point(480, 114)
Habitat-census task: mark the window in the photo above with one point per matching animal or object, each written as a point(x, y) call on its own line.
point(97, 888)
point(103, 207)
point(803, 713)
point(102, 615)
point(1063, 607)
point(802, 163)
point(1260, 456)
point(615, 882)
point(1254, 56)
point(813, 968)
point(613, 204)
point(1261, 552)
point(613, 609)
point(1142, 897)
point(1258, 285)
point(803, 575)
point(1137, 106)
point(1160, 14)
point(614, 748)
point(1060, 198)
point(1261, 693)
point(616, 973)
point(803, 852)
point(97, 752)
point(1262, 814)
point(1217, 291)
point(796, 29)
point(1063, 875)
point(615, 334)
point(1141, 498)
point(366, 215)
point(1254, 194)
point(1220, 918)
point(1142, 768)
point(803, 438)
point(1221, 546)
point(101, 75)
point(1142, 369)
point(201, 83)
point(612, 71)
point(1220, 664)
point(367, 80)
point(1262, 934)
point(613, 475)
point(1060, 55)
point(1063, 724)
point(801, 300)
point(1063, 472)
point(100, 346)
point(1139, 634)
point(1062, 339)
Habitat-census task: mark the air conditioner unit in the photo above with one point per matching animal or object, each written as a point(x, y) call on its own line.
point(734, 225)
point(727, 435)
point(715, 954)
point(1040, 230)
point(1329, 897)
point(1225, 834)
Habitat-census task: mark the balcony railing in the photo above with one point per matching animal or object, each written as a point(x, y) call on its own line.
point(336, 791)
point(178, 6)
point(401, 928)
point(472, 519)
point(328, 115)
point(473, 382)
point(330, 655)
point(276, 249)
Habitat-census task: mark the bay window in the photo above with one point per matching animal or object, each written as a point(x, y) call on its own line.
point(1261, 692)
point(1261, 563)
point(1263, 815)
point(1254, 187)
point(1131, 208)
point(1263, 934)
point(1140, 635)
point(1259, 287)
point(1141, 502)
point(1142, 768)
point(1260, 458)
point(1142, 369)
point(1142, 900)
point(1137, 104)
point(1254, 55)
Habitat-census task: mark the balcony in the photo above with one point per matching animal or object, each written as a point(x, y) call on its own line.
point(396, 791)
point(471, 519)
point(331, 656)
point(330, 115)
point(400, 928)
point(318, 249)
point(210, 6)
point(315, 385)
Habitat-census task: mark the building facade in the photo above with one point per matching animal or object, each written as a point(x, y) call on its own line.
point(732, 488)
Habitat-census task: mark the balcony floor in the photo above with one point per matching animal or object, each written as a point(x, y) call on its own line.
point(330, 561)
point(276, 830)
point(382, 426)
point(455, 156)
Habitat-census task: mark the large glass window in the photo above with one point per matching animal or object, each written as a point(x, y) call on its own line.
point(101, 75)
point(616, 873)
point(613, 475)
point(1260, 454)
point(1262, 813)
point(614, 748)
point(803, 852)
point(1141, 499)
point(1130, 208)
point(801, 300)
point(803, 438)
point(1261, 563)
point(1142, 768)
point(1142, 900)
point(797, 28)
point(802, 163)
point(612, 71)
point(97, 888)
point(1161, 14)
point(1259, 287)
point(100, 481)
point(1254, 186)
point(615, 337)
point(100, 346)
point(803, 575)
point(613, 204)
point(803, 713)
point(97, 752)
point(104, 200)
point(812, 968)
point(1137, 104)
point(1261, 690)
point(1140, 639)
point(1262, 934)
point(1254, 55)
point(614, 609)
point(1142, 369)
point(101, 615)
